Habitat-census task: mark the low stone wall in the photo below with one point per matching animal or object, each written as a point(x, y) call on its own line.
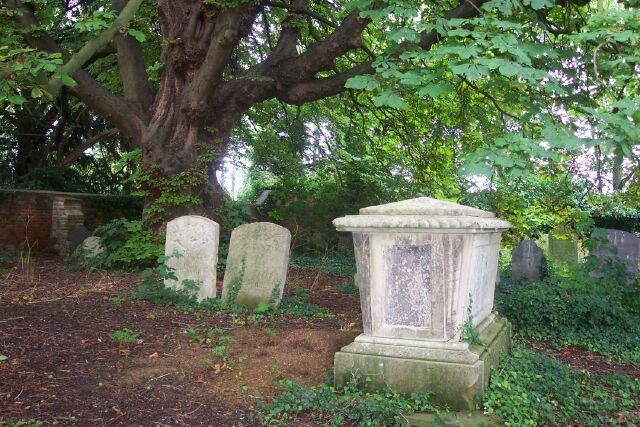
point(42, 220)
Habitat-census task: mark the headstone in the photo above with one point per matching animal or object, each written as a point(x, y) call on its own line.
point(426, 271)
point(563, 246)
point(195, 240)
point(77, 236)
point(257, 264)
point(66, 215)
point(628, 250)
point(93, 246)
point(526, 262)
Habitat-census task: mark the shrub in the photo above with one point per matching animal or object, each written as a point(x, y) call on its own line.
point(128, 245)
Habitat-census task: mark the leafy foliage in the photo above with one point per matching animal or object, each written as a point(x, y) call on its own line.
point(529, 389)
point(128, 245)
point(339, 405)
point(570, 306)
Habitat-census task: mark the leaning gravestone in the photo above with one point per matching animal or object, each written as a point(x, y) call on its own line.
point(195, 239)
point(628, 250)
point(563, 247)
point(77, 236)
point(93, 246)
point(257, 264)
point(526, 262)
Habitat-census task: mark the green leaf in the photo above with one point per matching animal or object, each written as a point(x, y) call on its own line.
point(389, 98)
point(436, 89)
point(138, 35)
point(365, 82)
point(36, 92)
point(3, 357)
point(16, 99)
point(67, 80)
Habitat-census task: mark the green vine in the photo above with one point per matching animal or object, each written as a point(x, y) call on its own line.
point(236, 283)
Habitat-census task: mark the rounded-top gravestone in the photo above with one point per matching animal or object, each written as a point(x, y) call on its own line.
point(563, 246)
point(257, 264)
point(192, 245)
point(93, 246)
point(623, 246)
point(526, 262)
point(77, 236)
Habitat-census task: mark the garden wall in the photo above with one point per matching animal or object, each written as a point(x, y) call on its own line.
point(42, 219)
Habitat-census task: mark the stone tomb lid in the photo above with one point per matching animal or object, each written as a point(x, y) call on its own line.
point(422, 213)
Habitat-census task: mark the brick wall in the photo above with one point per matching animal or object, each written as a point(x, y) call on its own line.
point(42, 219)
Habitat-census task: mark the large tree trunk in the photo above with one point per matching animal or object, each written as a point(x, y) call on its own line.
point(177, 161)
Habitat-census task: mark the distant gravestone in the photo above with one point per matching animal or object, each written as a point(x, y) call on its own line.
point(563, 247)
point(195, 239)
point(257, 264)
point(93, 246)
point(77, 236)
point(628, 250)
point(526, 262)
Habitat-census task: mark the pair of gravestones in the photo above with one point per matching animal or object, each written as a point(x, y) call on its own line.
point(527, 259)
point(256, 267)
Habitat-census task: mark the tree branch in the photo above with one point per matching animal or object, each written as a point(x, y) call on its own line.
point(77, 152)
point(302, 11)
point(466, 9)
point(121, 112)
point(81, 57)
point(135, 81)
point(316, 89)
point(223, 42)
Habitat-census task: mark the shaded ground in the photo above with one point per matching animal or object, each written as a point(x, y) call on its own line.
point(62, 367)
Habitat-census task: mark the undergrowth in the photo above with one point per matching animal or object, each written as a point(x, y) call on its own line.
point(529, 389)
point(332, 264)
point(571, 307)
point(348, 404)
point(127, 245)
point(152, 289)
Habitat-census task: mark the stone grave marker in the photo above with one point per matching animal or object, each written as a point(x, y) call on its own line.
point(426, 270)
point(77, 236)
point(628, 250)
point(563, 247)
point(257, 264)
point(93, 246)
point(526, 262)
point(195, 239)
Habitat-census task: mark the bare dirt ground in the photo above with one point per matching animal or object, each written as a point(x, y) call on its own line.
point(62, 368)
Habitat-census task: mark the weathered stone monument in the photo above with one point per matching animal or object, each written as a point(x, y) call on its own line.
point(195, 239)
point(66, 215)
point(93, 246)
point(257, 264)
point(526, 262)
point(426, 270)
point(77, 236)
point(627, 247)
point(563, 246)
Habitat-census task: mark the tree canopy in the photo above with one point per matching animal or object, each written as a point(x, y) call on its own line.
point(413, 92)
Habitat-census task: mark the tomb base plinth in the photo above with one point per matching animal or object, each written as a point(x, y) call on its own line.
point(455, 372)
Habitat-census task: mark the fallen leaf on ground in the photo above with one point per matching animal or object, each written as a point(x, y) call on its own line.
point(200, 379)
point(84, 341)
point(153, 355)
point(567, 353)
point(124, 352)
